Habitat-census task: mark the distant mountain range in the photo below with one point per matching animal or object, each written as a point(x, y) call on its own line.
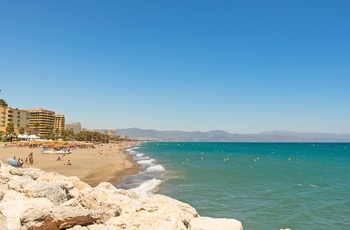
point(222, 136)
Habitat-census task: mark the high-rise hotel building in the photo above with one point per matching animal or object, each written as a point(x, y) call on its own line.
point(42, 122)
point(19, 119)
point(38, 121)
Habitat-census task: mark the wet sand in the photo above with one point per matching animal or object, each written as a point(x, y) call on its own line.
point(93, 166)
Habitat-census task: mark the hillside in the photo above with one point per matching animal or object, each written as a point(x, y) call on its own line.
point(222, 136)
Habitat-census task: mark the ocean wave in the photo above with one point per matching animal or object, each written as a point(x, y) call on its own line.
point(155, 168)
point(146, 162)
point(148, 187)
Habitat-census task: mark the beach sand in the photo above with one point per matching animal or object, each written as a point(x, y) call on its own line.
point(95, 165)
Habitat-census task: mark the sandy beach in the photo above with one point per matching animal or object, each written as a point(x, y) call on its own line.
point(92, 165)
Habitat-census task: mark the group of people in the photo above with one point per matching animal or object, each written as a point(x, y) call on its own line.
point(59, 158)
point(18, 162)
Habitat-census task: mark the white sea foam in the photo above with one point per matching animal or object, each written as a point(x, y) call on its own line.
point(155, 168)
point(139, 154)
point(148, 187)
point(146, 162)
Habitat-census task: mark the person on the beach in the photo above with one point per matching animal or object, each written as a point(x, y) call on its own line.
point(31, 159)
point(20, 162)
point(58, 158)
point(68, 163)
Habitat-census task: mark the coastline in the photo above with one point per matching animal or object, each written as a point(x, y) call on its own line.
point(104, 163)
point(34, 199)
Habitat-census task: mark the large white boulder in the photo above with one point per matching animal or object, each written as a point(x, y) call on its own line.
point(32, 189)
point(13, 210)
point(208, 223)
point(59, 217)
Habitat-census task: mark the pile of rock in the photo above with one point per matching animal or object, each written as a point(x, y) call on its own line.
point(33, 199)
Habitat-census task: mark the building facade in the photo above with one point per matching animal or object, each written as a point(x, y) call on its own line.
point(112, 133)
point(59, 123)
point(75, 126)
point(19, 118)
point(44, 122)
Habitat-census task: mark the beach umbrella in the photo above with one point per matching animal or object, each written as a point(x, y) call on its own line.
point(10, 160)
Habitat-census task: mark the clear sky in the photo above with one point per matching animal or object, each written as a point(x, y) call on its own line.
point(239, 66)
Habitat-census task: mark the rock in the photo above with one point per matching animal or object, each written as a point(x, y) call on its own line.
point(98, 198)
point(145, 220)
point(10, 195)
point(93, 227)
point(13, 210)
point(20, 184)
point(155, 212)
point(208, 223)
point(59, 217)
point(34, 173)
point(16, 171)
point(2, 194)
point(32, 189)
point(72, 184)
point(33, 199)
point(54, 192)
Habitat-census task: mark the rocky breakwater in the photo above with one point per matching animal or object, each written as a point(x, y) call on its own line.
point(33, 199)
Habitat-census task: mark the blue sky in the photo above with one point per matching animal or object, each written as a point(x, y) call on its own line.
point(238, 66)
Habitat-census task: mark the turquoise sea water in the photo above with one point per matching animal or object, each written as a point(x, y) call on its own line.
point(264, 185)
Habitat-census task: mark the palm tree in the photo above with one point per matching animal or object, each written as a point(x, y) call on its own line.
point(10, 128)
point(21, 130)
point(48, 129)
point(36, 130)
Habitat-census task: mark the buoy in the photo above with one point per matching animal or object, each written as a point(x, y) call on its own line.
point(254, 160)
point(289, 158)
point(202, 158)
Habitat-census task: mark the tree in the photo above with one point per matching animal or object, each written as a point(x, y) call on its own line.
point(3, 103)
point(10, 128)
point(49, 133)
point(92, 136)
point(36, 125)
point(21, 130)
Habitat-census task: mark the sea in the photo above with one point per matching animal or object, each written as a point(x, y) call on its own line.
point(264, 185)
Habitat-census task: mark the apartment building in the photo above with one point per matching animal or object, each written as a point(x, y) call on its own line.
point(112, 133)
point(19, 119)
point(42, 122)
point(75, 126)
point(59, 122)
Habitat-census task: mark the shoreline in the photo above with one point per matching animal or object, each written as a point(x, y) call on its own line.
point(104, 163)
